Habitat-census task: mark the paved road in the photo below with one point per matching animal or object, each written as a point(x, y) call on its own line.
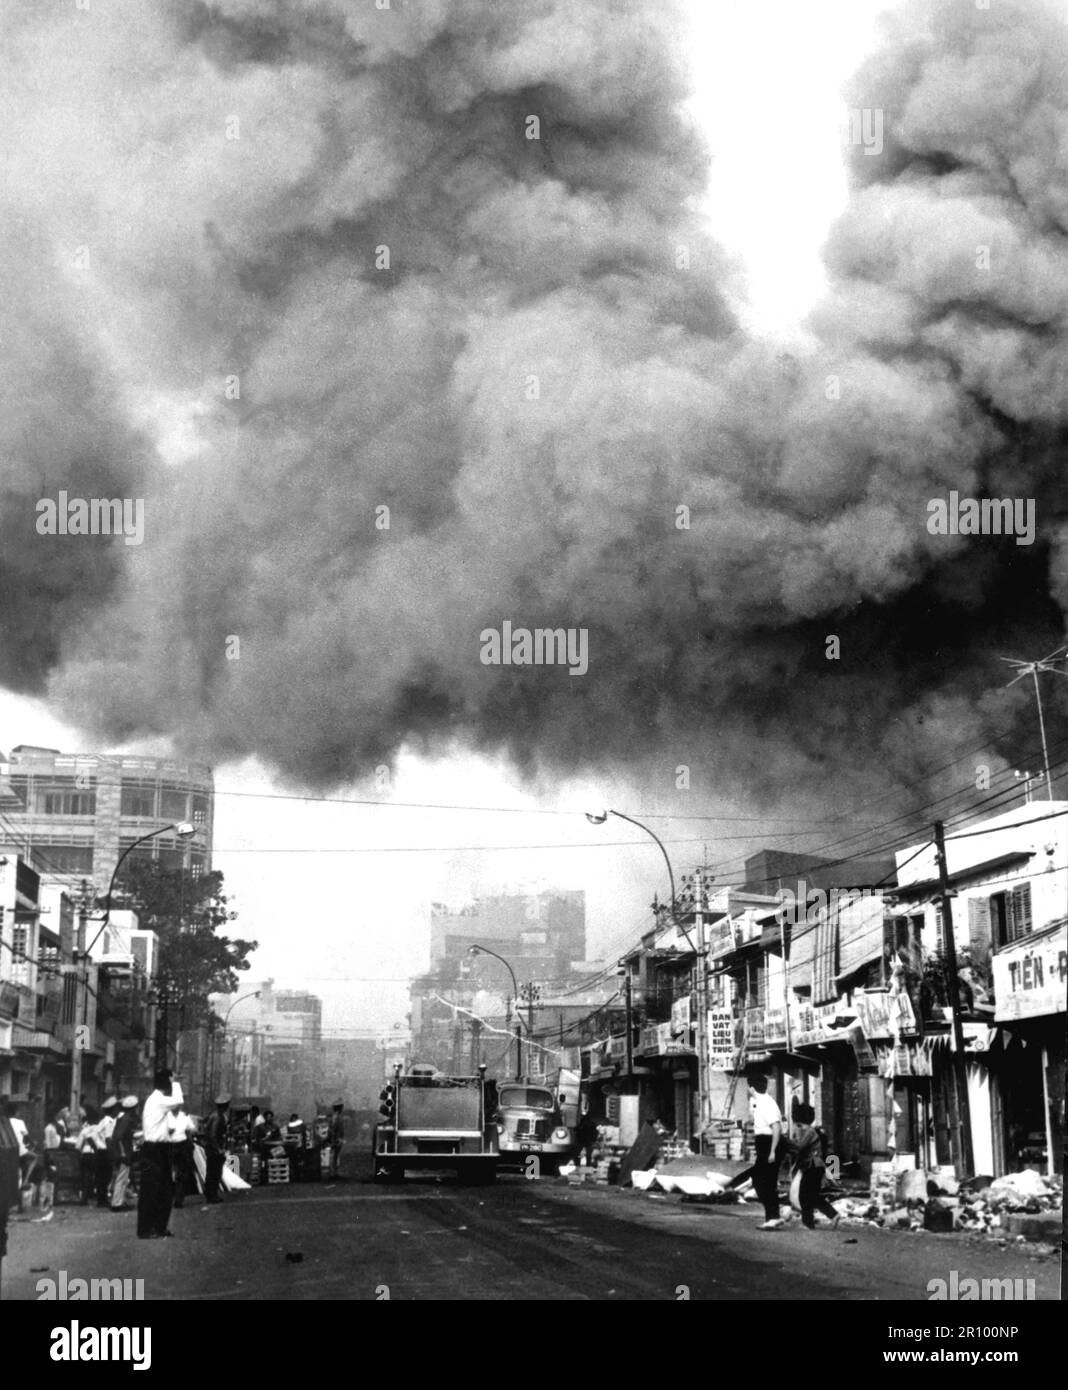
point(433, 1239)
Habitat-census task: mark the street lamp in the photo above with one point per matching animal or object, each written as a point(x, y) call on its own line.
point(599, 818)
point(253, 994)
point(184, 829)
point(485, 951)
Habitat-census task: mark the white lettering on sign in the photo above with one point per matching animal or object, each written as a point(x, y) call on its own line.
point(1031, 978)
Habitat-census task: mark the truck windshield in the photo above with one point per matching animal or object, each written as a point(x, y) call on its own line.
point(436, 1107)
point(529, 1096)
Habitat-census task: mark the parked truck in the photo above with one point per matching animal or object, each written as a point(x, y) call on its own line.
point(432, 1121)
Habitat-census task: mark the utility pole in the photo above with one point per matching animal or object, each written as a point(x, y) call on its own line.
point(80, 983)
point(627, 1004)
point(949, 947)
point(518, 1050)
point(702, 1007)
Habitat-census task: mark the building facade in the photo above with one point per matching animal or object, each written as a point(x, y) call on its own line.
point(72, 815)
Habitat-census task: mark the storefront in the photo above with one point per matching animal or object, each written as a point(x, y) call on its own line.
point(1027, 1111)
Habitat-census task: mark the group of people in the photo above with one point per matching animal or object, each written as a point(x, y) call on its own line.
point(807, 1150)
point(104, 1143)
point(264, 1133)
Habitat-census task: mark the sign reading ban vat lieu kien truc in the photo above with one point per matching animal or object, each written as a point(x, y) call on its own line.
point(1030, 976)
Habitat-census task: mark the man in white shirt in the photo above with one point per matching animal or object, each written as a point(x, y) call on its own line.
point(156, 1191)
point(767, 1134)
point(182, 1155)
point(104, 1130)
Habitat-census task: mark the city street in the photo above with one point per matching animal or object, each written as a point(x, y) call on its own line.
point(433, 1239)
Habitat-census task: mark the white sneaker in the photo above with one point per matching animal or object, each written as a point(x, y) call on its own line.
point(771, 1225)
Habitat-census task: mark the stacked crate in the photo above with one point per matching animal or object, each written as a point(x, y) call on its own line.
point(277, 1170)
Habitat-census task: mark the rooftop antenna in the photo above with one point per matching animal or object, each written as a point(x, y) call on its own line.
point(1049, 663)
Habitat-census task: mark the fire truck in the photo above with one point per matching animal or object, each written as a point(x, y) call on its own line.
point(430, 1121)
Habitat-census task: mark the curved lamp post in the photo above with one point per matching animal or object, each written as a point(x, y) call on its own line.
point(485, 951)
point(183, 829)
point(600, 817)
point(698, 949)
point(253, 994)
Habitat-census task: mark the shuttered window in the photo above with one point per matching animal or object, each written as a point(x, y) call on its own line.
point(1020, 919)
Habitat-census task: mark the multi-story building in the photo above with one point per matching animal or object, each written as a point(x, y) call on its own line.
point(271, 1046)
point(546, 927)
point(464, 1008)
point(837, 989)
point(72, 815)
point(47, 996)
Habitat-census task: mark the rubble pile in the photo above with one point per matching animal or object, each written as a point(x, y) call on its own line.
point(937, 1202)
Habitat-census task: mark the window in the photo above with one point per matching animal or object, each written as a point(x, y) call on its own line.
point(139, 802)
point(1021, 911)
point(173, 805)
point(172, 858)
point(62, 859)
point(1010, 914)
point(53, 802)
point(200, 810)
point(20, 964)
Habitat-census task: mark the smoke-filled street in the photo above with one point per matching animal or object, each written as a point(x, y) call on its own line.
point(431, 1240)
point(533, 590)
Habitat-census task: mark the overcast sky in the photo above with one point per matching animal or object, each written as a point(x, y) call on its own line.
point(338, 895)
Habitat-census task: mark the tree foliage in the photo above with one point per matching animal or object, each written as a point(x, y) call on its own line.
point(186, 914)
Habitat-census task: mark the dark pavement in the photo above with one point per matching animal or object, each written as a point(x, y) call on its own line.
point(431, 1238)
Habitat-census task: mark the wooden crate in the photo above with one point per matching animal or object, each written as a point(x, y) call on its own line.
point(277, 1170)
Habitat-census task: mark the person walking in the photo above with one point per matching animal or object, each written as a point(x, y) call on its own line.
point(767, 1135)
point(182, 1155)
point(587, 1134)
point(337, 1138)
point(215, 1151)
point(122, 1153)
point(156, 1191)
point(810, 1141)
point(104, 1130)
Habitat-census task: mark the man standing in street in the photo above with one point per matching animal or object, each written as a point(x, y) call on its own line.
point(337, 1138)
point(767, 1134)
point(215, 1151)
point(122, 1151)
point(104, 1131)
point(156, 1191)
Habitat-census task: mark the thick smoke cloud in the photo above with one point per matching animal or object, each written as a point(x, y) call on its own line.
point(578, 259)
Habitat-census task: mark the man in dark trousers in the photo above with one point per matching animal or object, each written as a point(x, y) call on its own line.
point(156, 1192)
point(215, 1150)
point(767, 1136)
point(122, 1157)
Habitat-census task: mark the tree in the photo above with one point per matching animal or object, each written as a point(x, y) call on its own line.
point(186, 915)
